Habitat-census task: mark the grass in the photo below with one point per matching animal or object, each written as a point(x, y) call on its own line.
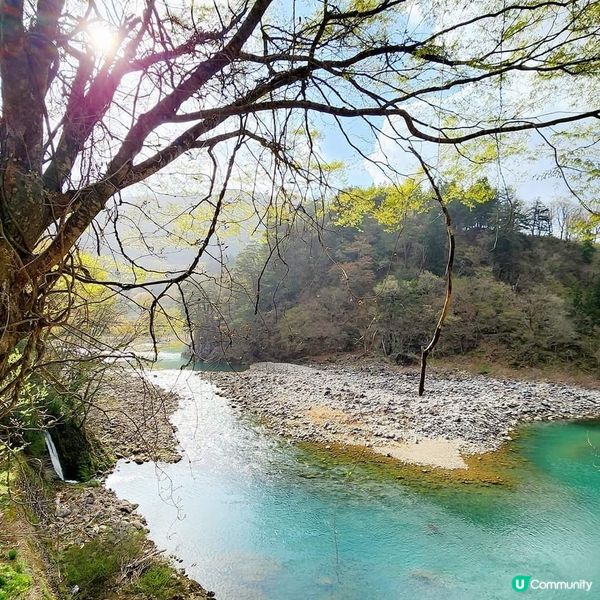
point(13, 582)
point(93, 566)
point(157, 582)
point(23, 567)
point(96, 567)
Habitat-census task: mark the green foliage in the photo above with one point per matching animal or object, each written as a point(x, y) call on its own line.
point(157, 582)
point(406, 310)
point(586, 302)
point(13, 583)
point(479, 193)
point(27, 406)
point(587, 227)
point(94, 565)
point(12, 554)
point(521, 296)
point(388, 206)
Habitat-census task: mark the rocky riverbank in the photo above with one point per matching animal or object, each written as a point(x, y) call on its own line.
point(378, 407)
point(129, 418)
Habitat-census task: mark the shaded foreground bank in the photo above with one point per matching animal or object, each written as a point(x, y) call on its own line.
point(64, 540)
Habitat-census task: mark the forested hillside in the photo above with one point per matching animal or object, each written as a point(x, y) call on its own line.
point(522, 296)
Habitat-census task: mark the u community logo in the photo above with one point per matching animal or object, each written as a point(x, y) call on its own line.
point(522, 583)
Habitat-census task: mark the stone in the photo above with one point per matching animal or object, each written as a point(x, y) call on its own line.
point(62, 511)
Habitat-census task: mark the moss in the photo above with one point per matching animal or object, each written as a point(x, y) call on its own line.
point(483, 470)
point(35, 444)
point(13, 582)
point(81, 455)
point(158, 582)
point(21, 546)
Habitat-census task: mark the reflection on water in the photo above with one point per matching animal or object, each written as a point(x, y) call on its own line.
point(254, 518)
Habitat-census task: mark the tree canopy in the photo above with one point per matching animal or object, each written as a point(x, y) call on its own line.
point(521, 298)
point(100, 97)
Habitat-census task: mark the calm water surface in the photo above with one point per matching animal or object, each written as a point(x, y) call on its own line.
point(255, 518)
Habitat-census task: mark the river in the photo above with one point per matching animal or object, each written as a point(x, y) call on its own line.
point(255, 518)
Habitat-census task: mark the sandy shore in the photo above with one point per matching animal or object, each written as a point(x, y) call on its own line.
point(378, 407)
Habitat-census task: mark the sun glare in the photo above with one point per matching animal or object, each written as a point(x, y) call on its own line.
point(101, 38)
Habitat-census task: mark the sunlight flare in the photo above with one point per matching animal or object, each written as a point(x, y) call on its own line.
point(101, 38)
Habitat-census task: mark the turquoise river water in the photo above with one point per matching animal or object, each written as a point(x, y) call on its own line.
point(255, 518)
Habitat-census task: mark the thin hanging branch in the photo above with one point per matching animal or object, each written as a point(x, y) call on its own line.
point(450, 264)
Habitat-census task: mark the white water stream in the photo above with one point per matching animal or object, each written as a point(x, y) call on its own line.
point(54, 455)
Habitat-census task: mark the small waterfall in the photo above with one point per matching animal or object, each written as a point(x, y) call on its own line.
point(54, 455)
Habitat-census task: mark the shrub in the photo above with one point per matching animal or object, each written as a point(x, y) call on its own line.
point(13, 583)
point(157, 582)
point(92, 566)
